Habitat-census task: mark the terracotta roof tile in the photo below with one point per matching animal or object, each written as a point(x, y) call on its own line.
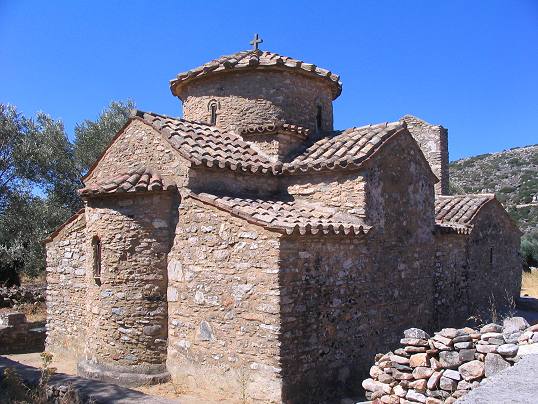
point(139, 179)
point(457, 212)
point(207, 145)
point(345, 149)
point(255, 59)
point(289, 217)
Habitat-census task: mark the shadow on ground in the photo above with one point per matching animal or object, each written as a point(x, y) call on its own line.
point(99, 392)
point(527, 307)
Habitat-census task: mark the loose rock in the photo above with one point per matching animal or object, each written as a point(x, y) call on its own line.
point(494, 363)
point(472, 370)
point(508, 350)
point(416, 333)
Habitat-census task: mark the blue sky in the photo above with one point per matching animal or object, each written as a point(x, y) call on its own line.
point(471, 66)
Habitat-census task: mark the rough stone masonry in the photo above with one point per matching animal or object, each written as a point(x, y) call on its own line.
point(448, 365)
point(251, 248)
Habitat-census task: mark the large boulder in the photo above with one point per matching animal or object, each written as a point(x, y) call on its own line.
point(508, 350)
point(449, 359)
point(416, 333)
point(513, 324)
point(472, 370)
point(494, 363)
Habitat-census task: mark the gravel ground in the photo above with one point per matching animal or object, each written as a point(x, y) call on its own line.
point(518, 384)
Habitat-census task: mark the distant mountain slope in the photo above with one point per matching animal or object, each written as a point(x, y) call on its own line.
point(511, 174)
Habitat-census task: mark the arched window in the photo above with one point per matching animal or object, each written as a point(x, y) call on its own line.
point(96, 248)
point(212, 107)
point(319, 117)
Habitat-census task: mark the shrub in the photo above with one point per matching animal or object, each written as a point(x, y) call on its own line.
point(529, 248)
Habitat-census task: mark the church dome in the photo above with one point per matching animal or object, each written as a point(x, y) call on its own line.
point(254, 59)
point(258, 88)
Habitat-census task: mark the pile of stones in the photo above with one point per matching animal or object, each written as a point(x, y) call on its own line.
point(17, 295)
point(442, 368)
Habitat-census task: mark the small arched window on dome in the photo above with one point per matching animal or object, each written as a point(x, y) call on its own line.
point(212, 108)
point(319, 117)
point(96, 250)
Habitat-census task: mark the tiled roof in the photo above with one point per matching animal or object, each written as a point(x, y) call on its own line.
point(140, 179)
point(255, 59)
point(457, 212)
point(207, 145)
point(289, 217)
point(345, 149)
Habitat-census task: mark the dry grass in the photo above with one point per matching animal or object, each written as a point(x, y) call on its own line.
point(34, 312)
point(38, 280)
point(529, 285)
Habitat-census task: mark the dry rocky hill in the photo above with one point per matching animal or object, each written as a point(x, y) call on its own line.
point(511, 174)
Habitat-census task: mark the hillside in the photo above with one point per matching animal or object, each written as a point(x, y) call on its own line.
point(511, 174)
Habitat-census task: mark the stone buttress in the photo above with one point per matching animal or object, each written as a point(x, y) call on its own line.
point(128, 225)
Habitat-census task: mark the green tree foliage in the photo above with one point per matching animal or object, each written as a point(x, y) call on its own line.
point(91, 137)
point(529, 248)
point(40, 171)
point(16, 154)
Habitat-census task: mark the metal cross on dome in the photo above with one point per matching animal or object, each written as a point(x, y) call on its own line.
point(256, 41)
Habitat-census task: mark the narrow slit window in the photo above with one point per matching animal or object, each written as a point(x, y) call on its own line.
point(96, 246)
point(213, 110)
point(491, 256)
point(319, 117)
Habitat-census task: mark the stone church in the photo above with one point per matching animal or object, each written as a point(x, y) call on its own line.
point(251, 248)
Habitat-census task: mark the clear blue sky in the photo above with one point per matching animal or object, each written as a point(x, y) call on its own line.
point(471, 66)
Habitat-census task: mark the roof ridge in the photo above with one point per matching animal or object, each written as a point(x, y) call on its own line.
point(139, 113)
point(461, 209)
point(207, 145)
point(470, 195)
point(376, 125)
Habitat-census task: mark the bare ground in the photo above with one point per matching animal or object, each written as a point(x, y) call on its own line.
point(168, 390)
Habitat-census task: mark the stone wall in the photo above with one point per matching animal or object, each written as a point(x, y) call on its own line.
point(400, 194)
point(433, 141)
point(494, 257)
point(126, 306)
point(66, 289)
point(344, 298)
point(257, 98)
point(140, 144)
point(342, 190)
point(276, 146)
point(330, 309)
point(453, 297)
point(477, 273)
point(223, 303)
point(18, 336)
point(215, 180)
